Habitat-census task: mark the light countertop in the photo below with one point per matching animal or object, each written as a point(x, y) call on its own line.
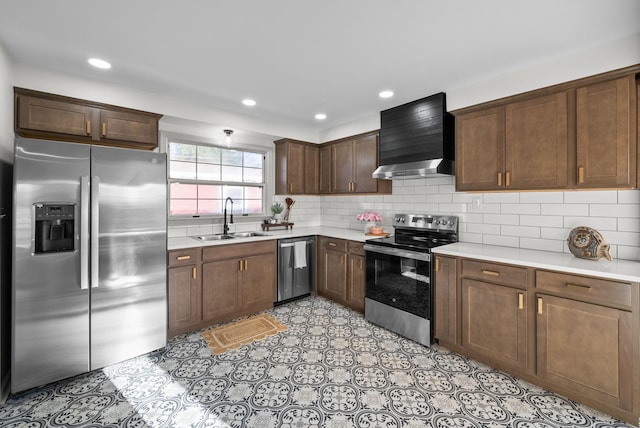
point(623, 270)
point(332, 232)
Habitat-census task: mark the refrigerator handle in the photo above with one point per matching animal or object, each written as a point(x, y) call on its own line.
point(95, 230)
point(84, 232)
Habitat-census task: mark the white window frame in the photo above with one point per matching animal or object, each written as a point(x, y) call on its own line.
point(187, 139)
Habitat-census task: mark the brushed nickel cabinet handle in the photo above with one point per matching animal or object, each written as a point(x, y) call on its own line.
point(88, 127)
point(183, 258)
point(193, 272)
point(499, 179)
point(520, 301)
point(540, 305)
point(104, 129)
point(581, 174)
point(490, 272)
point(579, 286)
point(507, 179)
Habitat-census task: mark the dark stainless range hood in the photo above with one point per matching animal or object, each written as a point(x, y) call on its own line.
point(416, 140)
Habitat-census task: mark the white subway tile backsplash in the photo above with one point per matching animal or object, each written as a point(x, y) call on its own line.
point(502, 219)
point(525, 231)
point(628, 225)
point(520, 208)
point(542, 244)
point(542, 198)
point(598, 223)
point(626, 210)
point(540, 220)
point(528, 220)
point(501, 198)
point(629, 196)
point(506, 241)
point(591, 197)
point(565, 209)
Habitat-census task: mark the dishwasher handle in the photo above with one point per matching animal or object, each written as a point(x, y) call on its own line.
point(291, 244)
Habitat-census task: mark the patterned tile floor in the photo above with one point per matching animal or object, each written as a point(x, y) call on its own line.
point(331, 368)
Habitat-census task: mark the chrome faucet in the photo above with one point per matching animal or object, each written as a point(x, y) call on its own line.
point(225, 226)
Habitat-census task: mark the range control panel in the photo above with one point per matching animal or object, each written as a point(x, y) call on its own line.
point(426, 221)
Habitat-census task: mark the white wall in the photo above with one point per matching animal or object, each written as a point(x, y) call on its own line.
point(599, 59)
point(49, 81)
point(6, 107)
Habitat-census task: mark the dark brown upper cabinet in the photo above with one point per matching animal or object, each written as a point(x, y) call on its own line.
point(54, 117)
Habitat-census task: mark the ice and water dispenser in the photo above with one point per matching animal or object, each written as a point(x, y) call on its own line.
point(54, 231)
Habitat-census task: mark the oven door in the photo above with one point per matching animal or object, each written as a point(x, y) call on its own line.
point(399, 278)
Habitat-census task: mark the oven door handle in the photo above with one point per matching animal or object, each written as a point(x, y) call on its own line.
point(398, 252)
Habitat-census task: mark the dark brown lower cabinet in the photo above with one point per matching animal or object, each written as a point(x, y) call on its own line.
point(573, 334)
point(494, 322)
point(586, 348)
point(341, 272)
point(220, 283)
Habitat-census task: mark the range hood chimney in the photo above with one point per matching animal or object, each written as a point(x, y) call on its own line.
point(416, 140)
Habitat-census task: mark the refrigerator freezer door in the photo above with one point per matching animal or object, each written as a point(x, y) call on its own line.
point(50, 309)
point(129, 302)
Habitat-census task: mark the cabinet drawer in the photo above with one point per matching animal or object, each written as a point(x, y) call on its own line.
point(492, 272)
point(585, 288)
point(234, 251)
point(183, 257)
point(334, 244)
point(356, 248)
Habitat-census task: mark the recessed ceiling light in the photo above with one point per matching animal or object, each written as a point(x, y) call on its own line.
point(249, 102)
point(99, 63)
point(385, 94)
point(321, 116)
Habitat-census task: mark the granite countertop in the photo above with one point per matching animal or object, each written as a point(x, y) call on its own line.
point(623, 270)
point(332, 232)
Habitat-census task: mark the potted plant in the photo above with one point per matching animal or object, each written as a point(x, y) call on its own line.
point(277, 209)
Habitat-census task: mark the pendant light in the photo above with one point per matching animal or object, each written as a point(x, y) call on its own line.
point(227, 139)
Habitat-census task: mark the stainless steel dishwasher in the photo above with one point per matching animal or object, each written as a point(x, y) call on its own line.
point(296, 267)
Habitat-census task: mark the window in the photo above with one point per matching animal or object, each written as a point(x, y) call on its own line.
point(201, 177)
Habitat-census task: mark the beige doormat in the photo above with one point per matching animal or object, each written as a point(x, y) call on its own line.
point(236, 334)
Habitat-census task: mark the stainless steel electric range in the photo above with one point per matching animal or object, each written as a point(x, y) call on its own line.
point(399, 291)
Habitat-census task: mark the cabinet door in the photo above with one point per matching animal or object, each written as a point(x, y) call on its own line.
point(494, 322)
point(184, 297)
point(334, 275)
point(355, 283)
point(295, 168)
point(586, 348)
point(325, 169)
point(139, 130)
point(536, 143)
point(480, 150)
point(58, 117)
point(365, 162)
point(221, 293)
point(342, 167)
point(446, 300)
point(606, 146)
point(311, 171)
point(259, 282)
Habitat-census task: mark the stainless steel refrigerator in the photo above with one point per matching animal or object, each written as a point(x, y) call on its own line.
point(89, 258)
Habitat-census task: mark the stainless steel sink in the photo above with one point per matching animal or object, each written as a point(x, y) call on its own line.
point(221, 236)
point(217, 237)
point(248, 234)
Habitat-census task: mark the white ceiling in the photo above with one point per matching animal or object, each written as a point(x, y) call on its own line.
point(297, 58)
